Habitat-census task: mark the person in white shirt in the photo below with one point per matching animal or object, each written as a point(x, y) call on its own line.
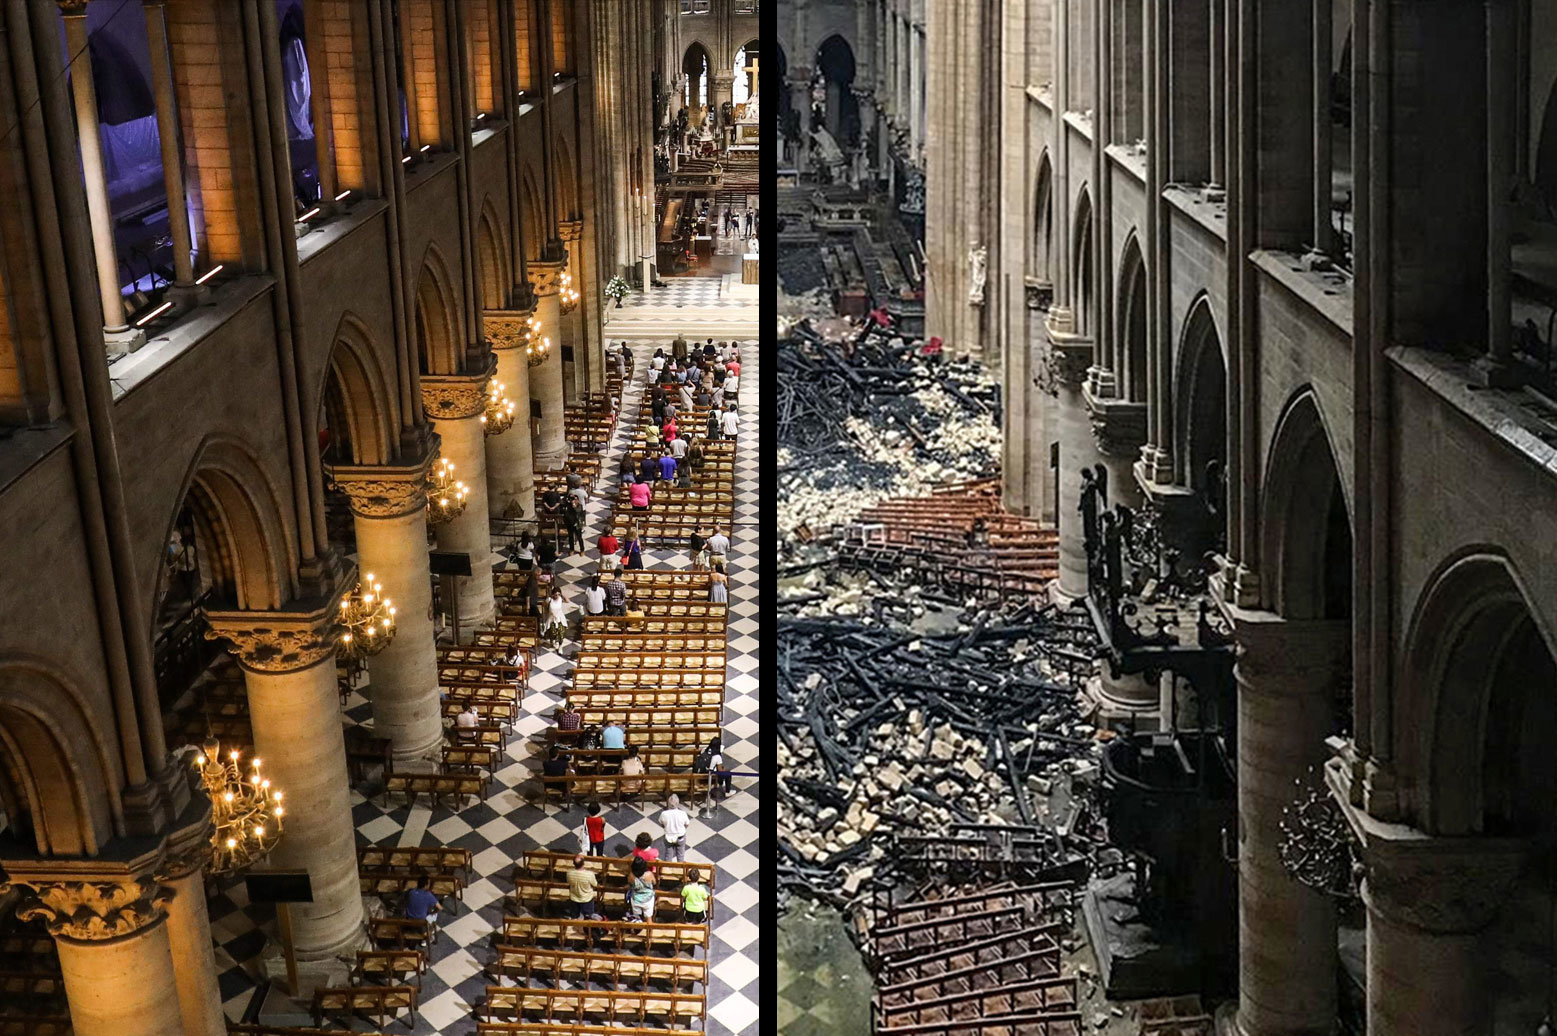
point(731, 423)
point(594, 598)
point(557, 615)
point(657, 363)
point(718, 545)
point(678, 448)
point(465, 722)
point(732, 385)
point(674, 820)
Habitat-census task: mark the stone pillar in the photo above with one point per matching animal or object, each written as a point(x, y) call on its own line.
point(288, 661)
point(800, 101)
point(389, 508)
point(114, 952)
point(1429, 899)
point(1070, 355)
point(719, 91)
point(551, 442)
point(117, 332)
point(189, 942)
point(1287, 671)
point(510, 457)
point(1119, 430)
point(184, 292)
point(455, 405)
point(576, 383)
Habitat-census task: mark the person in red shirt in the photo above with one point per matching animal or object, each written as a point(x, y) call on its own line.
point(734, 367)
point(668, 429)
point(607, 544)
point(594, 830)
point(643, 848)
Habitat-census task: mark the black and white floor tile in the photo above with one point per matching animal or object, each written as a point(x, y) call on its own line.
point(512, 819)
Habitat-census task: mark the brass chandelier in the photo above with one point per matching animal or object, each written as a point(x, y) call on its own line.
point(568, 293)
point(245, 813)
point(367, 621)
point(1317, 847)
point(500, 410)
point(446, 495)
point(535, 347)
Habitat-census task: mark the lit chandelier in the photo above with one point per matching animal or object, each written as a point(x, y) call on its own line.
point(447, 495)
point(245, 813)
point(500, 410)
point(569, 293)
point(367, 621)
point(535, 347)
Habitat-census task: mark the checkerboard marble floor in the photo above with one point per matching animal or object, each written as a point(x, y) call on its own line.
point(685, 291)
point(513, 818)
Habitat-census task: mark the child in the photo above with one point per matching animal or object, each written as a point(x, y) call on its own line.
point(593, 835)
point(694, 898)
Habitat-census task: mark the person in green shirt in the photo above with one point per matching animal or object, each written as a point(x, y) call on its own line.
point(640, 899)
point(694, 898)
point(581, 888)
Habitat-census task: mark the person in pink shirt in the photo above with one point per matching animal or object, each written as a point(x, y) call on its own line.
point(638, 494)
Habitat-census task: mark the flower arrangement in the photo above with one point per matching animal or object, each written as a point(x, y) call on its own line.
point(616, 288)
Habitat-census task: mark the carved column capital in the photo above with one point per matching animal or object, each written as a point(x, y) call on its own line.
point(545, 277)
point(1448, 886)
point(450, 397)
point(92, 911)
point(385, 492)
point(284, 641)
point(570, 229)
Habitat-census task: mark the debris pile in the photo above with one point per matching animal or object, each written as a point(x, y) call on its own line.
point(864, 415)
point(975, 736)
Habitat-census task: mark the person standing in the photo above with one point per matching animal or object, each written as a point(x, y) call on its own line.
point(593, 834)
point(574, 519)
point(694, 898)
point(639, 494)
point(634, 554)
point(718, 548)
point(718, 591)
point(616, 597)
point(582, 885)
point(640, 898)
point(731, 422)
point(667, 467)
point(674, 820)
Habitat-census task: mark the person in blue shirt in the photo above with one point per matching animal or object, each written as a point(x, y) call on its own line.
point(668, 467)
point(649, 469)
point(420, 904)
point(613, 736)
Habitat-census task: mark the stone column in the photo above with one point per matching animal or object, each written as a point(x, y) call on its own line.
point(1119, 430)
point(551, 443)
point(189, 942)
point(114, 953)
point(1429, 901)
point(576, 383)
point(184, 292)
point(455, 404)
point(117, 332)
point(800, 101)
point(510, 484)
point(389, 511)
point(1287, 671)
point(1070, 354)
point(719, 91)
point(288, 661)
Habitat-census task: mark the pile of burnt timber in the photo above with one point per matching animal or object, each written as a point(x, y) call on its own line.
point(973, 959)
point(887, 735)
point(957, 538)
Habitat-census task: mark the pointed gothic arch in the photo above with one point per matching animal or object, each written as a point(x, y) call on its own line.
point(437, 319)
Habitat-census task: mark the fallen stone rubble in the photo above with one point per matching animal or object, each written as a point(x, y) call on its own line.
point(887, 734)
point(863, 415)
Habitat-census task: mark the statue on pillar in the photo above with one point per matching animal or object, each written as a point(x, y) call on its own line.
point(978, 261)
